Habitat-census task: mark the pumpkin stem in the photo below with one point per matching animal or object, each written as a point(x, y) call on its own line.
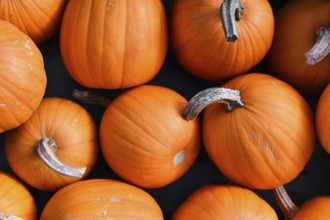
point(46, 148)
point(10, 217)
point(91, 97)
point(321, 48)
point(209, 96)
point(231, 11)
point(285, 203)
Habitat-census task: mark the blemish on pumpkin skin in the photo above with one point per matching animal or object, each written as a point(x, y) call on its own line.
point(111, 3)
point(179, 157)
point(261, 142)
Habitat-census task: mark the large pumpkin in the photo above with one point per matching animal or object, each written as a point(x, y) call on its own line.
point(322, 119)
point(113, 44)
point(15, 199)
point(56, 146)
point(145, 138)
point(265, 135)
point(300, 51)
point(39, 19)
point(22, 76)
point(101, 199)
point(201, 45)
point(224, 202)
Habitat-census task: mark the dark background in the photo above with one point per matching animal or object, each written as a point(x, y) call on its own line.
point(311, 182)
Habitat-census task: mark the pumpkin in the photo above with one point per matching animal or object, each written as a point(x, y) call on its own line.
point(322, 119)
point(15, 200)
point(314, 208)
point(263, 137)
point(58, 145)
point(38, 19)
point(224, 202)
point(300, 51)
point(112, 44)
point(22, 77)
point(145, 138)
point(216, 40)
point(101, 199)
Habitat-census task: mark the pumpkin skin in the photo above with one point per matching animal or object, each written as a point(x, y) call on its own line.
point(113, 44)
point(199, 44)
point(22, 76)
point(322, 119)
point(38, 19)
point(296, 26)
point(15, 198)
point(74, 132)
point(265, 143)
point(314, 208)
point(101, 199)
point(145, 139)
point(224, 202)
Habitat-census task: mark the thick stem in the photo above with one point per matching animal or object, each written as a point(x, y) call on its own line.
point(231, 11)
point(285, 203)
point(10, 217)
point(91, 97)
point(46, 149)
point(321, 48)
point(209, 96)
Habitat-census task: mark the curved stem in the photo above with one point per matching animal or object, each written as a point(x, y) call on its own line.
point(285, 203)
point(231, 11)
point(321, 48)
point(208, 96)
point(10, 217)
point(91, 97)
point(46, 148)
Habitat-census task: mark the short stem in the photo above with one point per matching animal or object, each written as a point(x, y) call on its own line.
point(285, 202)
point(209, 96)
point(321, 48)
point(231, 11)
point(10, 217)
point(46, 148)
point(91, 97)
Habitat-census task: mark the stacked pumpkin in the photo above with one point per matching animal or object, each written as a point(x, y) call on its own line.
point(257, 130)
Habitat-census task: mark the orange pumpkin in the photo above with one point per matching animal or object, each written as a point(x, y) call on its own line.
point(56, 146)
point(38, 19)
point(224, 202)
point(22, 77)
point(314, 208)
point(264, 137)
point(300, 51)
point(145, 138)
point(113, 44)
point(101, 199)
point(200, 42)
point(322, 119)
point(15, 199)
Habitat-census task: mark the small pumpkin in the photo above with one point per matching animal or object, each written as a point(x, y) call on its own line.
point(314, 208)
point(112, 44)
point(145, 138)
point(224, 202)
point(300, 51)
point(216, 40)
point(22, 77)
point(101, 199)
point(263, 137)
point(322, 119)
point(58, 145)
point(15, 200)
point(38, 19)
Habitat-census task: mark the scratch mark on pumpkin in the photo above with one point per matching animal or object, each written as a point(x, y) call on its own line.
point(261, 142)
